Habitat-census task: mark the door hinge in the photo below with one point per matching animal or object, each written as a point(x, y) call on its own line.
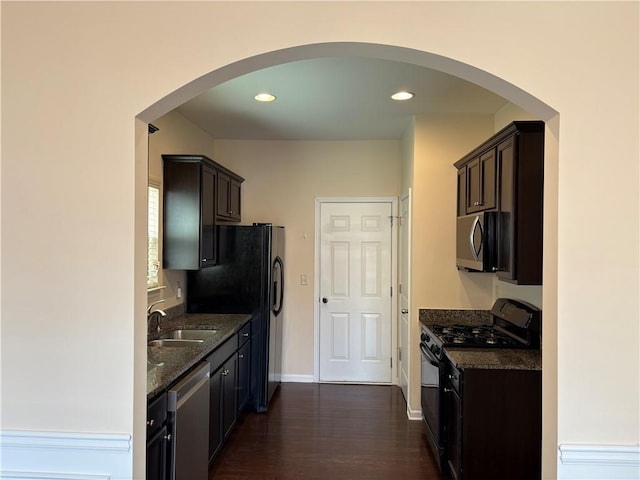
point(391, 289)
point(391, 217)
point(390, 362)
point(399, 354)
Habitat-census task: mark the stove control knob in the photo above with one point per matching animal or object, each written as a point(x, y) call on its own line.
point(435, 349)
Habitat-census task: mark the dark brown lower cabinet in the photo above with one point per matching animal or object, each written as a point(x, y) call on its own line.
point(493, 424)
point(229, 395)
point(223, 404)
point(229, 390)
point(157, 466)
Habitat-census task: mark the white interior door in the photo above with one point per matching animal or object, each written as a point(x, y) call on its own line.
point(404, 290)
point(355, 292)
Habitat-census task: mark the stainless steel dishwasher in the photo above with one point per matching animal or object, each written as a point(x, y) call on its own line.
point(188, 406)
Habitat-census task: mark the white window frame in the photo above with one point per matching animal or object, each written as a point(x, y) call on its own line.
point(154, 217)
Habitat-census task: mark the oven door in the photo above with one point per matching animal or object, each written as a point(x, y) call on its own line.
point(430, 394)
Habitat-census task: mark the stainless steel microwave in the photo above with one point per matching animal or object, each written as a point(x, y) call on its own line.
point(475, 242)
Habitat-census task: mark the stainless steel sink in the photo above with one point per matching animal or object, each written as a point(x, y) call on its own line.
point(174, 342)
point(188, 334)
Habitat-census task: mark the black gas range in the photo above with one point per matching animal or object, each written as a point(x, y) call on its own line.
point(513, 324)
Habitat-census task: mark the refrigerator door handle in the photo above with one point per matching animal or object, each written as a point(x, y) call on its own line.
point(278, 285)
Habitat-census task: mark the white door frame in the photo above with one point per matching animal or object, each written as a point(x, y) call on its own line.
point(394, 279)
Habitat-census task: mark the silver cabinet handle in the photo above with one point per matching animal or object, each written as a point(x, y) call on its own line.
point(225, 372)
point(404, 311)
point(245, 334)
point(240, 355)
point(447, 390)
point(167, 437)
point(151, 422)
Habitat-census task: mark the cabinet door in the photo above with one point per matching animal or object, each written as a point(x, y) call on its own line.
point(488, 182)
point(208, 225)
point(453, 428)
point(462, 191)
point(224, 186)
point(505, 228)
point(181, 215)
point(229, 395)
point(157, 446)
point(234, 200)
point(215, 412)
point(473, 186)
point(244, 370)
point(481, 181)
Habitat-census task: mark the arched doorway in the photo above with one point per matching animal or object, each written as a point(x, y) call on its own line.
point(450, 66)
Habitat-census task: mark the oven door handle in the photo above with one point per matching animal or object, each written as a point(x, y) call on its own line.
point(427, 353)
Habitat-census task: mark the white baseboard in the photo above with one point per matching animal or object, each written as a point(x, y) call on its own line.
point(65, 456)
point(296, 378)
point(414, 414)
point(599, 462)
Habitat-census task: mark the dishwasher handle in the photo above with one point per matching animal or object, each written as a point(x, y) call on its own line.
point(183, 390)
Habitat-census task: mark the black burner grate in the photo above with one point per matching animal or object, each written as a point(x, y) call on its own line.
point(472, 336)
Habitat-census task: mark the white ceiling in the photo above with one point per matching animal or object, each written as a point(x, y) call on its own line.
point(337, 98)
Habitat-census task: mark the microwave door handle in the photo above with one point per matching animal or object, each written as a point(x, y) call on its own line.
point(475, 251)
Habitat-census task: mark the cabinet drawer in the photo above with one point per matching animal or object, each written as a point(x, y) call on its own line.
point(156, 414)
point(245, 333)
point(224, 351)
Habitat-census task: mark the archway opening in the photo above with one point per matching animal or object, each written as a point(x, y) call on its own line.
point(450, 66)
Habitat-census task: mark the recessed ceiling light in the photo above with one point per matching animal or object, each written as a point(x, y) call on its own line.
point(402, 95)
point(265, 97)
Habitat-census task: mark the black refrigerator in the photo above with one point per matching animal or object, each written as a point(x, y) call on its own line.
point(248, 278)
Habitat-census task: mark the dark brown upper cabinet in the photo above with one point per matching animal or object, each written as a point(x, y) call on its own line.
point(480, 183)
point(191, 211)
point(520, 207)
point(228, 206)
point(505, 175)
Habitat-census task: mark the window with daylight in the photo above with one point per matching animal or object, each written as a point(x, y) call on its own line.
point(153, 247)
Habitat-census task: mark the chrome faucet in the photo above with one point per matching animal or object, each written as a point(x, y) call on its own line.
point(157, 313)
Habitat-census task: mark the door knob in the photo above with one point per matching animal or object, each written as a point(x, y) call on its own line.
point(324, 300)
point(404, 311)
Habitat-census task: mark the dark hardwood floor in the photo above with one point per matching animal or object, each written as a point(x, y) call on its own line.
point(325, 431)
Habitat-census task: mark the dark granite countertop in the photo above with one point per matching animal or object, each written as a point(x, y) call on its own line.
point(489, 358)
point(495, 358)
point(166, 364)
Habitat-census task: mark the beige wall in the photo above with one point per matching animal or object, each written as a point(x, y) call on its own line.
point(407, 155)
point(282, 182)
point(72, 87)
